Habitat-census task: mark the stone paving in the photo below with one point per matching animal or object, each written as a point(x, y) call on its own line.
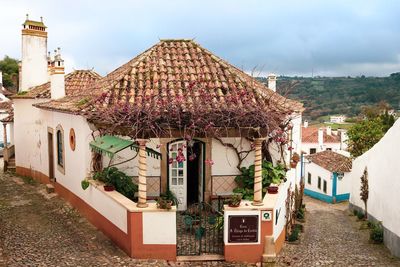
point(332, 237)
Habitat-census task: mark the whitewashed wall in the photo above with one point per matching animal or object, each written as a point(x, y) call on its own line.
point(343, 186)
point(316, 171)
point(4, 114)
point(159, 227)
point(225, 158)
point(280, 207)
point(307, 146)
point(131, 167)
point(31, 146)
point(383, 164)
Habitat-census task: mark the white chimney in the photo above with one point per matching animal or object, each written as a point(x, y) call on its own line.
point(57, 82)
point(329, 130)
point(343, 139)
point(321, 138)
point(305, 124)
point(272, 82)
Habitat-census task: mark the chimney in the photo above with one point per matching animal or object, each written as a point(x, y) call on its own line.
point(57, 82)
point(320, 138)
point(329, 130)
point(305, 124)
point(343, 139)
point(272, 82)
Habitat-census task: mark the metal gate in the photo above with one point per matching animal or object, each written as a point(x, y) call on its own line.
point(200, 231)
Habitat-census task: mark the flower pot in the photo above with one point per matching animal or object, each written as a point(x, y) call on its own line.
point(233, 205)
point(109, 188)
point(272, 189)
point(293, 164)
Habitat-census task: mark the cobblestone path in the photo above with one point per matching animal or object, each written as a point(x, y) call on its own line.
point(333, 238)
point(38, 229)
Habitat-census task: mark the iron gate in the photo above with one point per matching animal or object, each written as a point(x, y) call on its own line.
point(200, 231)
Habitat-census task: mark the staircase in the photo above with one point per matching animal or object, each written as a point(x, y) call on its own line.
point(9, 158)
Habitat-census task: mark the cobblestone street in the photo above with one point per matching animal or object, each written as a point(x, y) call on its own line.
point(332, 238)
point(38, 229)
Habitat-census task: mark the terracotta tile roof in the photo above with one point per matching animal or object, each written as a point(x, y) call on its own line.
point(167, 70)
point(310, 135)
point(6, 105)
point(331, 161)
point(76, 83)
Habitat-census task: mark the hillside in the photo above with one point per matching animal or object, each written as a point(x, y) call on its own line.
point(341, 95)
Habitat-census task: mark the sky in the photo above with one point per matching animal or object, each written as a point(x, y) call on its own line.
point(303, 38)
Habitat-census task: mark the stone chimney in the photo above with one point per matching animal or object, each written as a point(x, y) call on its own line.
point(320, 138)
point(272, 82)
point(329, 130)
point(305, 124)
point(57, 82)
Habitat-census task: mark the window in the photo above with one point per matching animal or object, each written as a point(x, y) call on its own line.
point(319, 182)
point(60, 149)
point(309, 178)
point(324, 186)
point(329, 148)
point(313, 150)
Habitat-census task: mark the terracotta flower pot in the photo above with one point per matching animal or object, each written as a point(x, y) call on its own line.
point(272, 189)
point(109, 188)
point(293, 164)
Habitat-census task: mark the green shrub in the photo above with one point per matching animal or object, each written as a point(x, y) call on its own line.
point(300, 214)
point(294, 235)
point(122, 182)
point(355, 212)
point(376, 234)
point(270, 174)
point(361, 215)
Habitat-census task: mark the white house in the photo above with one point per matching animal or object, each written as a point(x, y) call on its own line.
point(54, 125)
point(382, 166)
point(5, 108)
point(324, 179)
point(338, 119)
point(317, 139)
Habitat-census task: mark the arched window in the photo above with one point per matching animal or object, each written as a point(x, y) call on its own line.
point(60, 149)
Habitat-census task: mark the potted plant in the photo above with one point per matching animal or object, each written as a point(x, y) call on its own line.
point(164, 204)
point(235, 200)
point(294, 160)
point(169, 195)
point(109, 187)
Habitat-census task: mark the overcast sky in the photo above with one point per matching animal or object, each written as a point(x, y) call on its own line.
point(331, 38)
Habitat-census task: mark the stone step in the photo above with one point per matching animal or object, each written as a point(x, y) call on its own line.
point(50, 188)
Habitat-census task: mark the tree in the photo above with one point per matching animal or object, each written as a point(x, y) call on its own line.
point(364, 191)
point(9, 67)
point(364, 135)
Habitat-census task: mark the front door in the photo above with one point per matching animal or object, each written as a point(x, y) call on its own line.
point(178, 172)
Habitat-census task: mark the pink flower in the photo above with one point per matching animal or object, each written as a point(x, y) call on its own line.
point(192, 157)
point(170, 161)
point(209, 161)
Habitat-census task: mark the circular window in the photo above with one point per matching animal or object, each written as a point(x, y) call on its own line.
point(72, 141)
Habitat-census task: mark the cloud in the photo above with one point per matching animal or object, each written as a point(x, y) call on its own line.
point(287, 37)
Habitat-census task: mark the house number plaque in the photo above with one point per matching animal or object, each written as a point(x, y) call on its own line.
point(242, 228)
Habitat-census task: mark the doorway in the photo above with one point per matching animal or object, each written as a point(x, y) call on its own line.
point(186, 177)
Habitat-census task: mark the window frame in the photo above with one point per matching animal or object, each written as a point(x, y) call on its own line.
point(309, 178)
point(60, 144)
point(319, 182)
point(313, 151)
point(325, 186)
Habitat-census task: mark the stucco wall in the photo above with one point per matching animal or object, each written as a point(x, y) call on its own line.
point(382, 162)
point(343, 186)
point(225, 158)
point(316, 171)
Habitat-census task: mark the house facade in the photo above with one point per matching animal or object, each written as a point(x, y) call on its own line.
point(324, 176)
point(317, 139)
point(57, 116)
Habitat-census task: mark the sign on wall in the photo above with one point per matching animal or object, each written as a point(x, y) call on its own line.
point(266, 215)
point(243, 229)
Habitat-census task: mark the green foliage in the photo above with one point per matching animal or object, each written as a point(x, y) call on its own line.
point(270, 175)
point(235, 200)
point(294, 235)
point(376, 233)
point(85, 184)
point(360, 215)
point(169, 195)
point(364, 135)
point(355, 212)
point(9, 67)
point(122, 182)
point(300, 214)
